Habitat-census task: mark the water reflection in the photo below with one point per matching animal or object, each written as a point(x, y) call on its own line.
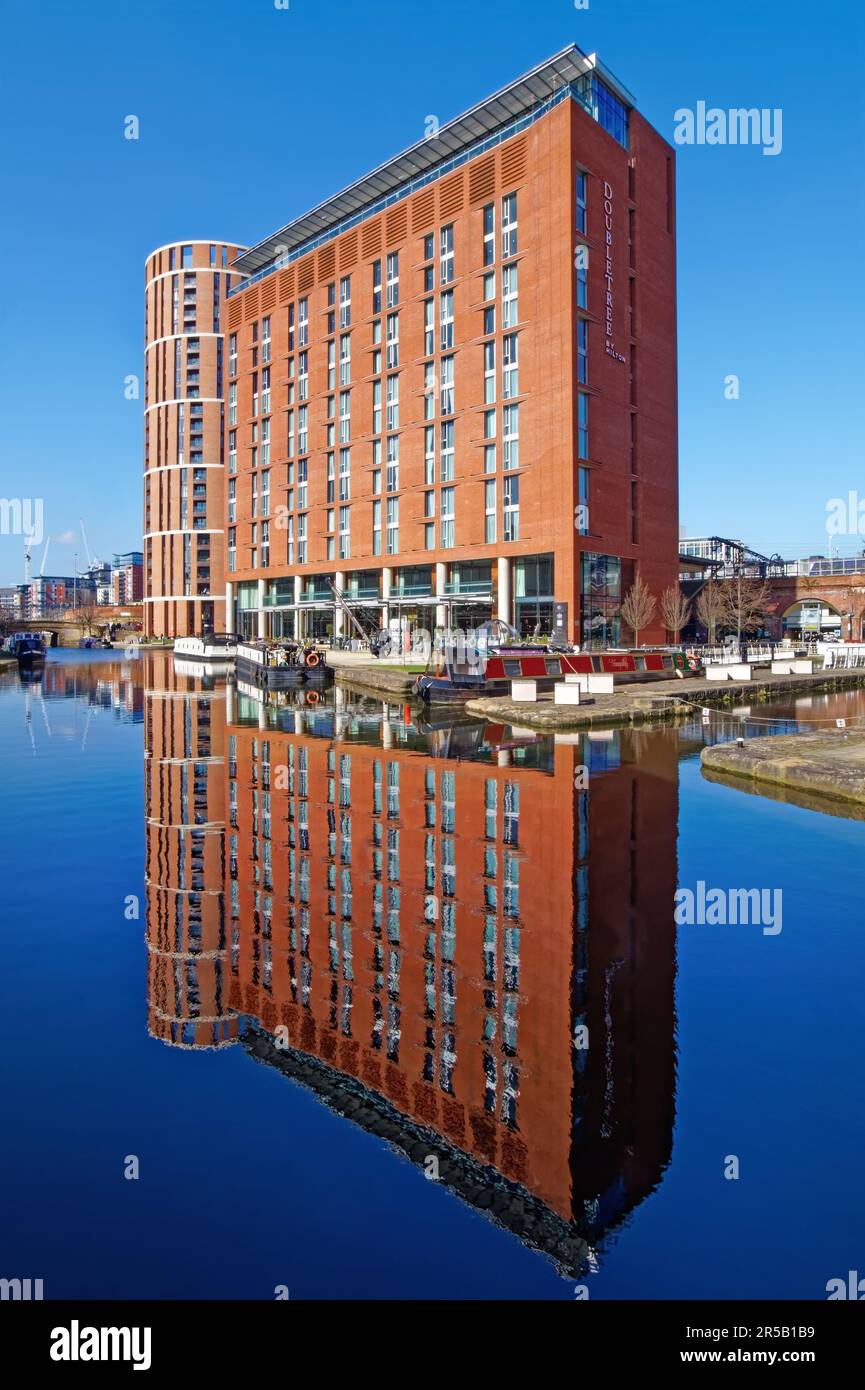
point(424, 923)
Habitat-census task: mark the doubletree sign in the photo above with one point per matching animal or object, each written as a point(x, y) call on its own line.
point(608, 271)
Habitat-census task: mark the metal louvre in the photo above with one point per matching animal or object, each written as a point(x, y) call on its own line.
point(459, 134)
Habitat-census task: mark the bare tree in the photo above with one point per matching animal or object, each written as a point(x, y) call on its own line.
point(85, 613)
point(675, 610)
point(711, 609)
point(745, 603)
point(638, 608)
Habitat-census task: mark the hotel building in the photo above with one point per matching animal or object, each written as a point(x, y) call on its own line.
point(184, 437)
point(451, 387)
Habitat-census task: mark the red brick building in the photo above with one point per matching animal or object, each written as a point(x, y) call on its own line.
point(184, 439)
point(452, 386)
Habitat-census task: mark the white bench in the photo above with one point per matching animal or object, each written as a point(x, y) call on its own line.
point(524, 691)
point(564, 694)
point(739, 672)
point(599, 685)
point(801, 668)
point(782, 668)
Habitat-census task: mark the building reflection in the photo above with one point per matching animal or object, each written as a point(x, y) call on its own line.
point(449, 934)
point(184, 818)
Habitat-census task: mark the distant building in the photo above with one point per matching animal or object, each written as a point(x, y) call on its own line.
point(127, 578)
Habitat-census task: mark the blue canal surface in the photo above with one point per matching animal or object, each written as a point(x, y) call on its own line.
point(504, 1071)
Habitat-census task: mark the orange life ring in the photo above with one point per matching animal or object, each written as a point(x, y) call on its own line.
point(312, 658)
point(312, 697)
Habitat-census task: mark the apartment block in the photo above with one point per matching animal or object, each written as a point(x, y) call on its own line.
point(451, 387)
point(184, 437)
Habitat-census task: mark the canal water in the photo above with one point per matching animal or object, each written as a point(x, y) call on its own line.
point(345, 1000)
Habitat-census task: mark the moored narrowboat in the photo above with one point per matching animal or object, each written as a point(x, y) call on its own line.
point(485, 663)
point(28, 648)
point(209, 646)
point(274, 665)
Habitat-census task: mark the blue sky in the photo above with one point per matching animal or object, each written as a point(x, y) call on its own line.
point(249, 115)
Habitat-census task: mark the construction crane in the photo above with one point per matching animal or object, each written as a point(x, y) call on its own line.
point(86, 546)
point(378, 638)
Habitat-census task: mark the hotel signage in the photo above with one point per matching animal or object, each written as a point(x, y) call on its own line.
point(608, 272)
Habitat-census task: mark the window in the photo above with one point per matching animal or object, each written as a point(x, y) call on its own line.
point(489, 458)
point(429, 454)
point(393, 280)
point(392, 476)
point(510, 309)
point(265, 338)
point(265, 545)
point(511, 437)
point(392, 505)
point(376, 287)
point(344, 537)
point(232, 548)
point(291, 328)
point(510, 366)
point(303, 376)
point(429, 327)
point(344, 474)
point(447, 518)
point(428, 247)
point(582, 351)
point(582, 263)
point(583, 425)
point(265, 390)
point(376, 407)
point(345, 301)
point(509, 225)
point(583, 499)
point(344, 416)
point(376, 528)
point(489, 372)
point(581, 202)
point(265, 443)
point(303, 323)
point(232, 451)
point(392, 341)
point(447, 451)
point(446, 320)
point(489, 235)
point(186, 256)
point(232, 403)
point(331, 364)
point(429, 504)
point(392, 403)
point(446, 257)
point(303, 430)
point(511, 508)
point(447, 386)
point(490, 510)
point(232, 499)
point(232, 354)
point(302, 479)
point(429, 390)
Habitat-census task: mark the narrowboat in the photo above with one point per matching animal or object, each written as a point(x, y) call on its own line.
point(28, 648)
point(209, 646)
point(275, 665)
point(485, 663)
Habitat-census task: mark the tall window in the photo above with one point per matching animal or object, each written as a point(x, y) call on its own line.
point(490, 510)
point(583, 475)
point(447, 386)
point(446, 258)
point(582, 182)
point(392, 341)
point(376, 527)
point(393, 279)
point(429, 342)
point(511, 508)
point(489, 234)
point(510, 307)
point(510, 437)
point(447, 518)
point(446, 320)
point(509, 225)
point(376, 287)
point(392, 505)
point(582, 351)
point(345, 301)
point(447, 451)
point(303, 323)
point(489, 371)
point(583, 425)
point(510, 366)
